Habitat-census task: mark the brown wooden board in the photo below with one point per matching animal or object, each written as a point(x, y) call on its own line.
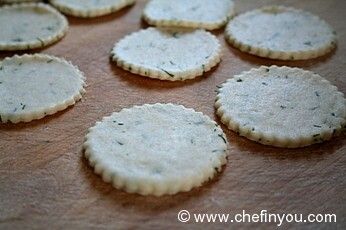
point(45, 182)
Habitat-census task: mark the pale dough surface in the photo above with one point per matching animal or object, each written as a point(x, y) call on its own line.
point(206, 14)
point(33, 86)
point(168, 54)
point(90, 8)
point(30, 25)
point(282, 106)
point(156, 149)
point(281, 33)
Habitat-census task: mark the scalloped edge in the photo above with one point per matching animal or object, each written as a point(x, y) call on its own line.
point(282, 55)
point(212, 61)
point(42, 42)
point(91, 13)
point(133, 185)
point(187, 23)
point(271, 139)
point(44, 111)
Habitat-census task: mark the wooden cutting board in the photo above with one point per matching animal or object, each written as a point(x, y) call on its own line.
point(46, 183)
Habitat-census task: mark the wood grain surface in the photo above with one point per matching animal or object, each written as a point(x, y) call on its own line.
point(45, 182)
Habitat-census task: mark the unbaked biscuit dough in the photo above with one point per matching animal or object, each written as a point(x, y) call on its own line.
point(30, 25)
point(156, 149)
point(282, 106)
point(168, 54)
point(34, 86)
point(279, 32)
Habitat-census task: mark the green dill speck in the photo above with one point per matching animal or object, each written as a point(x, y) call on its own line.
point(50, 28)
point(1, 67)
point(0, 82)
point(207, 57)
point(317, 94)
point(253, 129)
point(170, 74)
point(42, 42)
point(264, 83)
point(50, 60)
point(314, 108)
point(317, 126)
point(120, 143)
point(316, 135)
point(267, 69)
point(120, 123)
point(20, 63)
point(172, 63)
point(175, 35)
point(223, 138)
point(308, 43)
point(17, 40)
point(333, 114)
point(203, 68)
point(283, 107)
point(194, 8)
point(23, 106)
point(239, 80)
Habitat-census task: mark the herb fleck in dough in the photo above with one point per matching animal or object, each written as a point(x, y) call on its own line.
point(30, 25)
point(205, 14)
point(34, 86)
point(282, 106)
point(168, 54)
point(279, 32)
point(90, 8)
point(156, 149)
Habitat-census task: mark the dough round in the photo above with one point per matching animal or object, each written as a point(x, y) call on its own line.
point(156, 149)
point(279, 32)
point(30, 25)
point(282, 106)
point(168, 54)
point(34, 86)
point(88, 8)
point(204, 14)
